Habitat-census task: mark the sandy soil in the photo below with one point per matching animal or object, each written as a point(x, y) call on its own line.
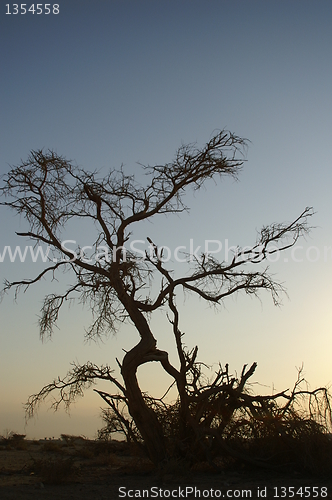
point(80, 469)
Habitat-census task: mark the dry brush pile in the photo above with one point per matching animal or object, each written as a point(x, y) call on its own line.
point(224, 424)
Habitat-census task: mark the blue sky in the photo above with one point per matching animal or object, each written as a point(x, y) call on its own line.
point(111, 82)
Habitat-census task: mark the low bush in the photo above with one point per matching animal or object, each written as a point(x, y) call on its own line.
point(221, 423)
point(55, 471)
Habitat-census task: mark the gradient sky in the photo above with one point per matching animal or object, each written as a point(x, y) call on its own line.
point(111, 82)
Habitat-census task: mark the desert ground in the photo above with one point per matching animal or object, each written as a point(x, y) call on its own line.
point(77, 468)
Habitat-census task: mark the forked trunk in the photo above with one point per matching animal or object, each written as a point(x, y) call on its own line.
point(144, 417)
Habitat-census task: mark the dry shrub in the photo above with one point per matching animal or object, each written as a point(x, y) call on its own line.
point(224, 424)
point(85, 452)
point(72, 439)
point(52, 447)
point(12, 440)
point(103, 447)
point(55, 471)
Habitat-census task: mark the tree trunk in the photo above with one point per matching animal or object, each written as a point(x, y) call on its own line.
point(144, 417)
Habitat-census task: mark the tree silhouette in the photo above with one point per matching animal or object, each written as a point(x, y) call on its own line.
point(52, 193)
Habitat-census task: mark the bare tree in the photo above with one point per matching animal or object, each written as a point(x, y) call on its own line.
point(51, 192)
